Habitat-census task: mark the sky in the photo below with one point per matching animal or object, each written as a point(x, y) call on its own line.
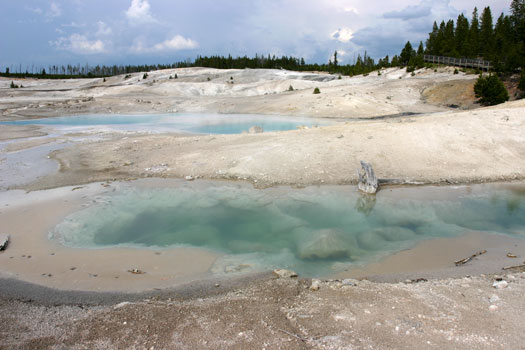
point(43, 32)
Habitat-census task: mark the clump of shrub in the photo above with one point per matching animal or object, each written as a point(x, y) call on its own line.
point(145, 76)
point(413, 73)
point(317, 91)
point(176, 76)
point(127, 76)
point(290, 88)
point(13, 85)
point(490, 90)
point(339, 78)
point(456, 71)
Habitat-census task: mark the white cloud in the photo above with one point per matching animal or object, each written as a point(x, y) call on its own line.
point(103, 29)
point(343, 35)
point(54, 10)
point(178, 42)
point(139, 12)
point(79, 44)
point(36, 10)
point(73, 25)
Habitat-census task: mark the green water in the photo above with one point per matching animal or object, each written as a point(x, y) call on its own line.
point(314, 231)
point(185, 122)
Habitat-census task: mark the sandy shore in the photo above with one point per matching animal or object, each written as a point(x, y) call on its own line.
point(431, 135)
point(35, 258)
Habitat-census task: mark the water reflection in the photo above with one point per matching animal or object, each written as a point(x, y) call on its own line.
point(365, 203)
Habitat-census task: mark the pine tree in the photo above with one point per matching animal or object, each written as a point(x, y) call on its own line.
point(440, 39)
point(517, 10)
point(473, 38)
point(490, 90)
point(432, 40)
point(462, 33)
point(406, 54)
point(449, 40)
point(486, 34)
point(419, 60)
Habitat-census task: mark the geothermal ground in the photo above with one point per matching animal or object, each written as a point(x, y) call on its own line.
point(423, 128)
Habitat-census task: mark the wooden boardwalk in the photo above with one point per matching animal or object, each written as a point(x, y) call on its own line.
point(460, 62)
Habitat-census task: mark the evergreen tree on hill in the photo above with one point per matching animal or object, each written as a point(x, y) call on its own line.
point(432, 48)
point(486, 35)
point(462, 33)
point(473, 35)
point(490, 90)
point(406, 54)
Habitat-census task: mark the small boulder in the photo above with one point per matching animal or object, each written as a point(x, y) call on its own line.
point(4, 241)
point(316, 284)
point(282, 273)
point(494, 299)
point(500, 284)
point(349, 282)
point(324, 244)
point(256, 130)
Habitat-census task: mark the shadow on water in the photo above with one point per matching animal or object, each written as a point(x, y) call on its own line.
point(314, 230)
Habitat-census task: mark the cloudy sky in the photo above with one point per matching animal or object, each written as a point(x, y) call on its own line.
point(43, 32)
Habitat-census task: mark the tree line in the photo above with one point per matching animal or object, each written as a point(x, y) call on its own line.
point(363, 64)
point(503, 44)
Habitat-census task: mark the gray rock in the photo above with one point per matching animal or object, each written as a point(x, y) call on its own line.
point(316, 284)
point(121, 305)
point(367, 180)
point(255, 129)
point(282, 273)
point(500, 284)
point(4, 241)
point(349, 282)
point(324, 244)
point(494, 299)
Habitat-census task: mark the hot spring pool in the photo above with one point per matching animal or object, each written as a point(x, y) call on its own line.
point(315, 231)
point(192, 123)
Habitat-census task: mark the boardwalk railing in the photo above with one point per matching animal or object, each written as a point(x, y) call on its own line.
point(460, 62)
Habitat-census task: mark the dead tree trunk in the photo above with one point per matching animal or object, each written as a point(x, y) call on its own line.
point(367, 180)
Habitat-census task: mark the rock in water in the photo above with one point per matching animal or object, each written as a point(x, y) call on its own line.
point(324, 244)
point(255, 129)
point(367, 180)
point(4, 241)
